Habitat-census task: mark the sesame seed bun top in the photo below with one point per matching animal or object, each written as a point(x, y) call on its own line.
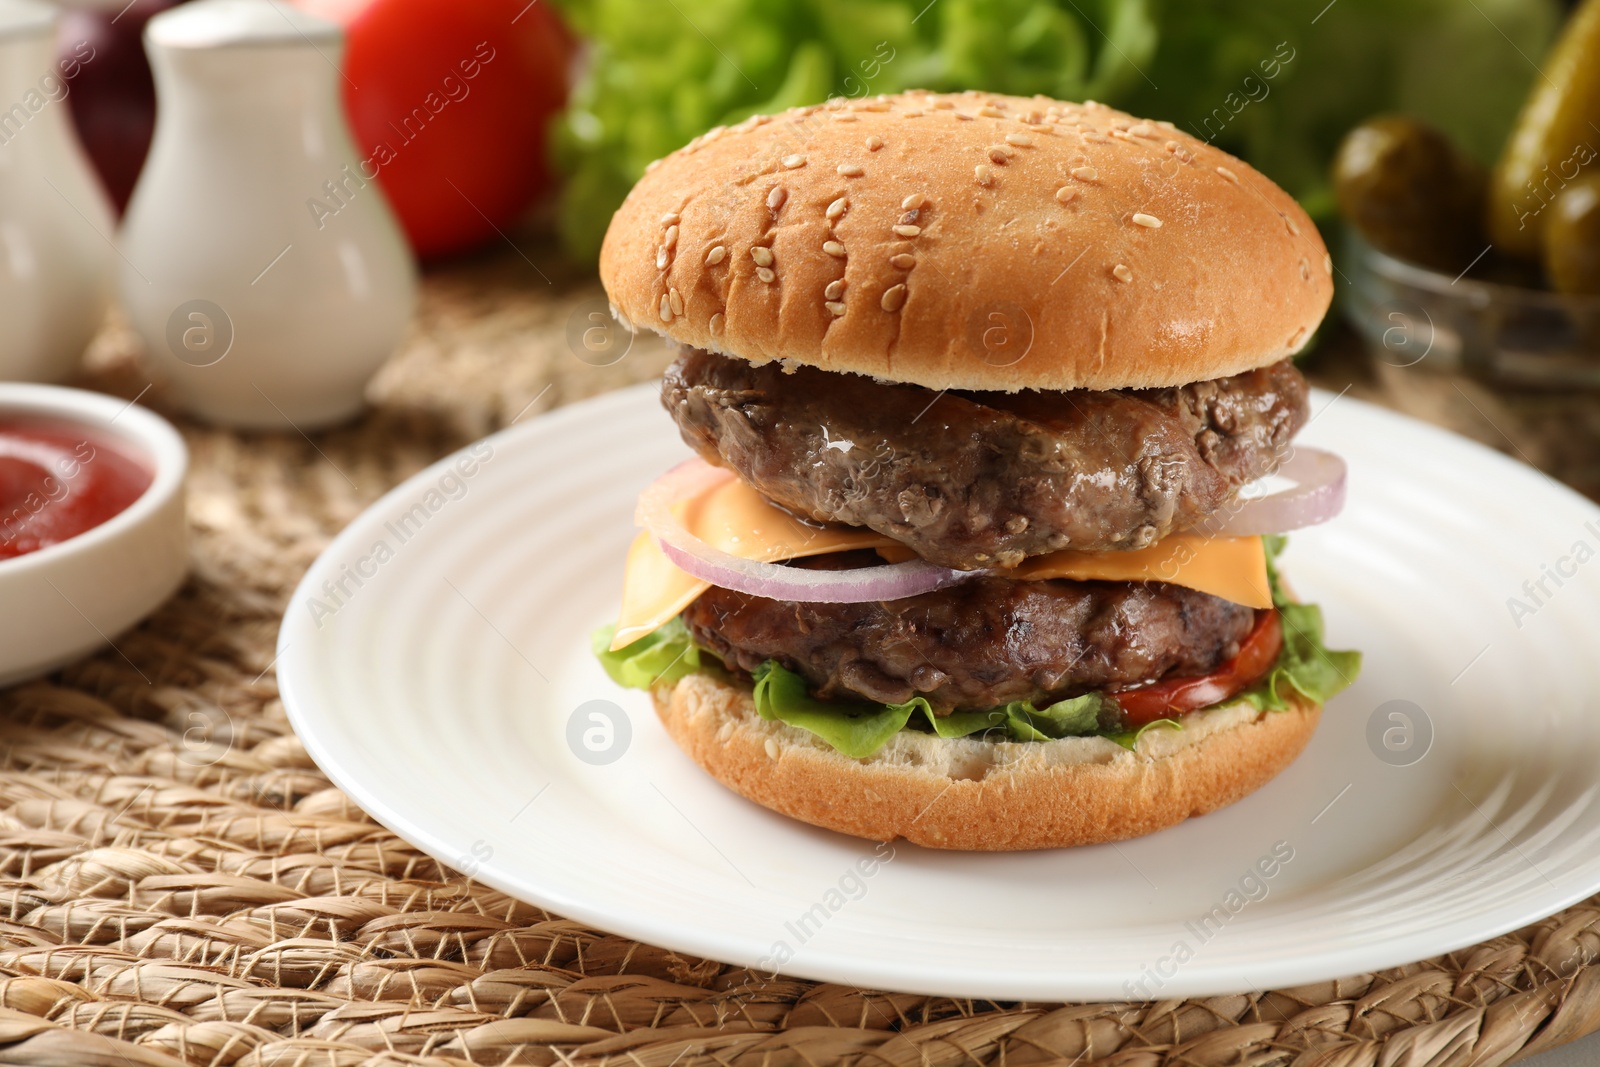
point(969, 241)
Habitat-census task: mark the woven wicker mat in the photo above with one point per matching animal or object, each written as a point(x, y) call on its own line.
point(182, 886)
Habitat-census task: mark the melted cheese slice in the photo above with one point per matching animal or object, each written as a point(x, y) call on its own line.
point(734, 518)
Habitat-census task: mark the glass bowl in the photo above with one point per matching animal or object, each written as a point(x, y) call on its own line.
point(1415, 317)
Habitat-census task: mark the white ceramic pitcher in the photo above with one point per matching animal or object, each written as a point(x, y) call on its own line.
point(262, 266)
point(56, 225)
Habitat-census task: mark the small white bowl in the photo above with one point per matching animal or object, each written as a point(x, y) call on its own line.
point(64, 601)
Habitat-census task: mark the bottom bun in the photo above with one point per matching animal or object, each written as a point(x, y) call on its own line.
point(975, 795)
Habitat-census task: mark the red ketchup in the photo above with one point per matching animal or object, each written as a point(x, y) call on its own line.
point(57, 481)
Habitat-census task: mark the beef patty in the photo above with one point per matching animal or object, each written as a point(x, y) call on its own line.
point(978, 644)
point(977, 479)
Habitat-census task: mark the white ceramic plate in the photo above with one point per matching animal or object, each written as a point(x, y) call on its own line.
point(435, 661)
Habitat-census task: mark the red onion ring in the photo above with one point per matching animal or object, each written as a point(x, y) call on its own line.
point(891, 581)
point(1317, 496)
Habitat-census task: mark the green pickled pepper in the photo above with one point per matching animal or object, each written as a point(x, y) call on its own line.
point(1572, 238)
point(1554, 138)
point(1411, 193)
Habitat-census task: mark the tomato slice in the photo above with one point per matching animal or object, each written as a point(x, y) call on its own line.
point(1162, 700)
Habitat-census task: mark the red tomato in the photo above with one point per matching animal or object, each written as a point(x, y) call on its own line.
point(1162, 700)
point(449, 101)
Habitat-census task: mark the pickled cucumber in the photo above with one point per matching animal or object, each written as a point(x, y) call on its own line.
point(1411, 193)
point(1572, 238)
point(1553, 140)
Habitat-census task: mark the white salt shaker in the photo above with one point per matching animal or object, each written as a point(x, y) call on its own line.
point(262, 265)
point(56, 255)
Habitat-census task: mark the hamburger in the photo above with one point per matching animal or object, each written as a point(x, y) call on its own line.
point(977, 385)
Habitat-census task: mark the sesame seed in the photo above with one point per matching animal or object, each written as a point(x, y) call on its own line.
point(716, 323)
point(666, 308)
point(913, 113)
point(1173, 146)
point(845, 116)
point(894, 298)
point(850, 170)
point(903, 261)
point(908, 218)
point(833, 248)
point(1021, 140)
point(1228, 174)
point(942, 105)
point(671, 238)
point(652, 165)
point(1123, 274)
point(662, 259)
point(1122, 135)
point(874, 143)
point(1327, 263)
point(1294, 227)
point(912, 202)
point(1085, 174)
point(998, 155)
point(776, 198)
point(1095, 137)
point(908, 231)
point(762, 255)
point(989, 111)
point(669, 218)
point(1147, 221)
point(1166, 125)
point(835, 289)
point(837, 208)
point(1033, 118)
point(716, 255)
point(983, 174)
point(876, 105)
point(766, 274)
point(836, 307)
point(1142, 129)
point(791, 162)
point(1305, 271)
point(675, 301)
point(1065, 194)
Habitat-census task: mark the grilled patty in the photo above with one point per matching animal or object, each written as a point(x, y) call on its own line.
point(978, 644)
point(980, 480)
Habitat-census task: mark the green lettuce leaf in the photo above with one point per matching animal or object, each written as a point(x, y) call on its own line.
point(1129, 738)
point(860, 729)
point(662, 656)
point(857, 730)
point(1305, 666)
